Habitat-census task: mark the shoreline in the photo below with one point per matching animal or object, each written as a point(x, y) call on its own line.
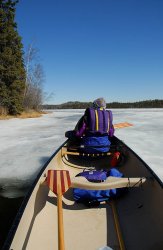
point(24, 115)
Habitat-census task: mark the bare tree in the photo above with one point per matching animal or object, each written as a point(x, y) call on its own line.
point(48, 97)
point(33, 94)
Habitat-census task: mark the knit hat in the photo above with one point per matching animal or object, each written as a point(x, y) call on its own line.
point(99, 103)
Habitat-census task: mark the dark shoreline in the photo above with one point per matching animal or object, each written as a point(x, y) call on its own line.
point(156, 103)
point(8, 210)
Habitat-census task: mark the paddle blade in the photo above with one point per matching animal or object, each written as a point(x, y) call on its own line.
point(58, 181)
point(123, 125)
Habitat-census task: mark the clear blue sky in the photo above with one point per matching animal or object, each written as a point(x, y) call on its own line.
point(94, 48)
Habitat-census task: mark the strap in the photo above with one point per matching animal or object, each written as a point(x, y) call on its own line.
point(110, 120)
point(96, 120)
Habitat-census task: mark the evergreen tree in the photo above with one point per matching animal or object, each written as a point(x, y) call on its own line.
point(12, 72)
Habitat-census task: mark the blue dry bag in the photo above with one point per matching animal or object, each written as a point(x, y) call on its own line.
point(90, 196)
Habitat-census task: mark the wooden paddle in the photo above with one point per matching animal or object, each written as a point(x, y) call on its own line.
point(117, 226)
point(122, 125)
point(59, 182)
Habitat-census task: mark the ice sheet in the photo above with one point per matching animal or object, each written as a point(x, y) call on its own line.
point(26, 144)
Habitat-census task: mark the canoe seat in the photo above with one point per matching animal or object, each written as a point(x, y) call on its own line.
point(84, 154)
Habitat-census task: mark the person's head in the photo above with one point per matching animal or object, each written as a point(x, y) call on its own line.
point(99, 103)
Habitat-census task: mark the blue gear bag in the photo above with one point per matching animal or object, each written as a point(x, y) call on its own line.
point(86, 196)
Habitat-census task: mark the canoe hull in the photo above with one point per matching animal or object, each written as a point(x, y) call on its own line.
point(139, 211)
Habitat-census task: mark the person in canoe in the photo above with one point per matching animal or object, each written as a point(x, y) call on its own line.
point(94, 129)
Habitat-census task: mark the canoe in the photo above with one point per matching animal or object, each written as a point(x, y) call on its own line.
point(132, 221)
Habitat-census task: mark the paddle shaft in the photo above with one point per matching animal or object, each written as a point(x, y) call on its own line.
point(117, 226)
point(61, 245)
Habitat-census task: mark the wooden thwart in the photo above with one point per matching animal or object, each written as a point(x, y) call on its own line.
point(84, 154)
point(110, 183)
point(63, 182)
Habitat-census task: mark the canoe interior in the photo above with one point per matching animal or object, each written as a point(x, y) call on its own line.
point(139, 210)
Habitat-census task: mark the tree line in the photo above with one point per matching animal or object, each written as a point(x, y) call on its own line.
point(83, 105)
point(21, 76)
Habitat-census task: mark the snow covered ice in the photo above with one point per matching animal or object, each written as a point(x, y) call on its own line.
point(26, 144)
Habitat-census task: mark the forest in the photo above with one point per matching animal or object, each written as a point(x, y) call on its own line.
point(21, 77)
point(82, 105)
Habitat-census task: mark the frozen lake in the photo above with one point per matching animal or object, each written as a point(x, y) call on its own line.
point(26, 144)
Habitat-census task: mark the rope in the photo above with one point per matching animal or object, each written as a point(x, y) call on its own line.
point(140, 181)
